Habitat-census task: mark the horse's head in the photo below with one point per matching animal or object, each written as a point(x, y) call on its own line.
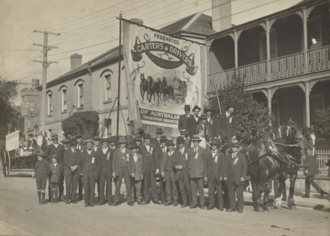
point(293, 134)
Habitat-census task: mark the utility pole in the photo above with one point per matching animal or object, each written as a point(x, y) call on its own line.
point(119, 72)
point(45, 64)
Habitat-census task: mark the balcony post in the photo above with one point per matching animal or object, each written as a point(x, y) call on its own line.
point(307, 90)
point(236, 49)
point(305, 19)
point(268, 48)
point(269, 99)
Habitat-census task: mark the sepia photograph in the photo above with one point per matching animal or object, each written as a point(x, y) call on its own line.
point(151, 117)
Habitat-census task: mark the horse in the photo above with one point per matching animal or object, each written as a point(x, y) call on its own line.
point(266, 158)
point(279, 183)
point(166, 90)
point(143, 86)
point(152, 88)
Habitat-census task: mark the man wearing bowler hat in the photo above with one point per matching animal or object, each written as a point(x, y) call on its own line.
point(136, 181)
point(194, 121)
point(105, 161)
point(197, 171)
point(150, 168)
point(97, 141)
point(89, 168)
point(236, 169)
point(56, 149)
point(167, 172)
point(161, 151)
point(228, 124)
point(184, 119)
point(180, 165)
point(78, 138)
point(71, 160)
point(215, 172)
point(205, 127)
point(65, 143)
point(156, 141)
point(79, 148)
point(123, 168)
point(213, 124)
point(96, 148)
point(183, 135)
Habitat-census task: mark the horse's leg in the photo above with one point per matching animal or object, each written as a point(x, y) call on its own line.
point(291, 204)
point(277, 194)
point(254, 182)
point(266, 195)
point(261, 188)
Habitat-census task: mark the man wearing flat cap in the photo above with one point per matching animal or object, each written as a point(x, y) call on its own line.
point(228, 124)
point(194, 121)
point(184, 119)
point(56, 149)
point(215, 172)
point(236, 170)
point(197, 171)
point(89, 168)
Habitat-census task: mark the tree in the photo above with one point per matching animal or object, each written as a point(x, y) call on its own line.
point(10, 119)
point(85, 123)
point(322, 122)
point(253, 117)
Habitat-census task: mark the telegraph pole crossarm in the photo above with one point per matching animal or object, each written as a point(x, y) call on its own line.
point(45, 32)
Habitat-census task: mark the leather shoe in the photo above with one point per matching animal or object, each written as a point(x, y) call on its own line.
point(116, 204)
point(193, 206)
point(210, 208)
point(221, 209)
point(168, 204)
point(175, 204)
point(230, 210)
point(140, 203)
point(146, 202)
point(156, 202)
point(202, 207)
point(305, 196)
point(130, 203)
point(86, 205)
point(73, 201)
point(184, 205)
point(92, 204)
point(240, 211)
point(67, 202)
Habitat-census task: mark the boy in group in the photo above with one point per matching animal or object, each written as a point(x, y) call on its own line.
point(136, 180)
point(236, 169)
point(105, 161)
point(123, 168)
point(215, 169)
point(41, 171)
point(150, 168)
point(89, 169)
point(180, 164)
point(197, 171)
point(167, 172)
point(71, 160)
point(56, 171)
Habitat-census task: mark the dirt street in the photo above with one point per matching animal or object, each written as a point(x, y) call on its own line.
point(20, 214)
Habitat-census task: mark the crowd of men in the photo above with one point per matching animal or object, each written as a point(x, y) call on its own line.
point(182, 168)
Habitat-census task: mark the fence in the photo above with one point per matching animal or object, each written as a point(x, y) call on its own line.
point(322, 156)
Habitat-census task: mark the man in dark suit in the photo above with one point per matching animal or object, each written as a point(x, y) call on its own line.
point(136, 181)
point(228, 125)
point(161, 151)
point(156, 141)
point(184, 119)
point(180, 164)
point(71, 160)
point(150, 168)
point(194, 121)
point(123, 168)
point(56, 149)
point(236, 169)
point(213, 124)
point(96, 148)
point(186, 141)
point(65, 143)
point(167, 172)
point(215, 169)
point(197, 172)
point(79, 148)
point(89, 168)
point(205, 127)
point(105, 161)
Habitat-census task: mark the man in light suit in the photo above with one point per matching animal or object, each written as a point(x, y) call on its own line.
point(197, 172)
point(236, 169)
point(184, 119)
point(228, 125)
point(194, 121)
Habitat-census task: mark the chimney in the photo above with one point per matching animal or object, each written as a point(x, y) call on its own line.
point(76, 60)
point(35, 83)
point(221, 15)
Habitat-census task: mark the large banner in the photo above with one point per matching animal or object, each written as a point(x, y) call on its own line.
point(163, 74)
point(12, 141)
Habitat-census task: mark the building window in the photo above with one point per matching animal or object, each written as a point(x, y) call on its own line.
point(108, 87)
point(50, 105)
point(64, 100)
point(80, 95)
point(314, 32)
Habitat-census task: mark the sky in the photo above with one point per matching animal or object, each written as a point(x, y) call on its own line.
point(90, 27)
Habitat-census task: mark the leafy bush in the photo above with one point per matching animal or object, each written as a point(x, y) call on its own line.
point(322, 122)
point(85, 123)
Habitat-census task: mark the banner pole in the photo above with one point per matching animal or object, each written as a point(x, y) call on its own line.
point(213, 80)
point(119, 71)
